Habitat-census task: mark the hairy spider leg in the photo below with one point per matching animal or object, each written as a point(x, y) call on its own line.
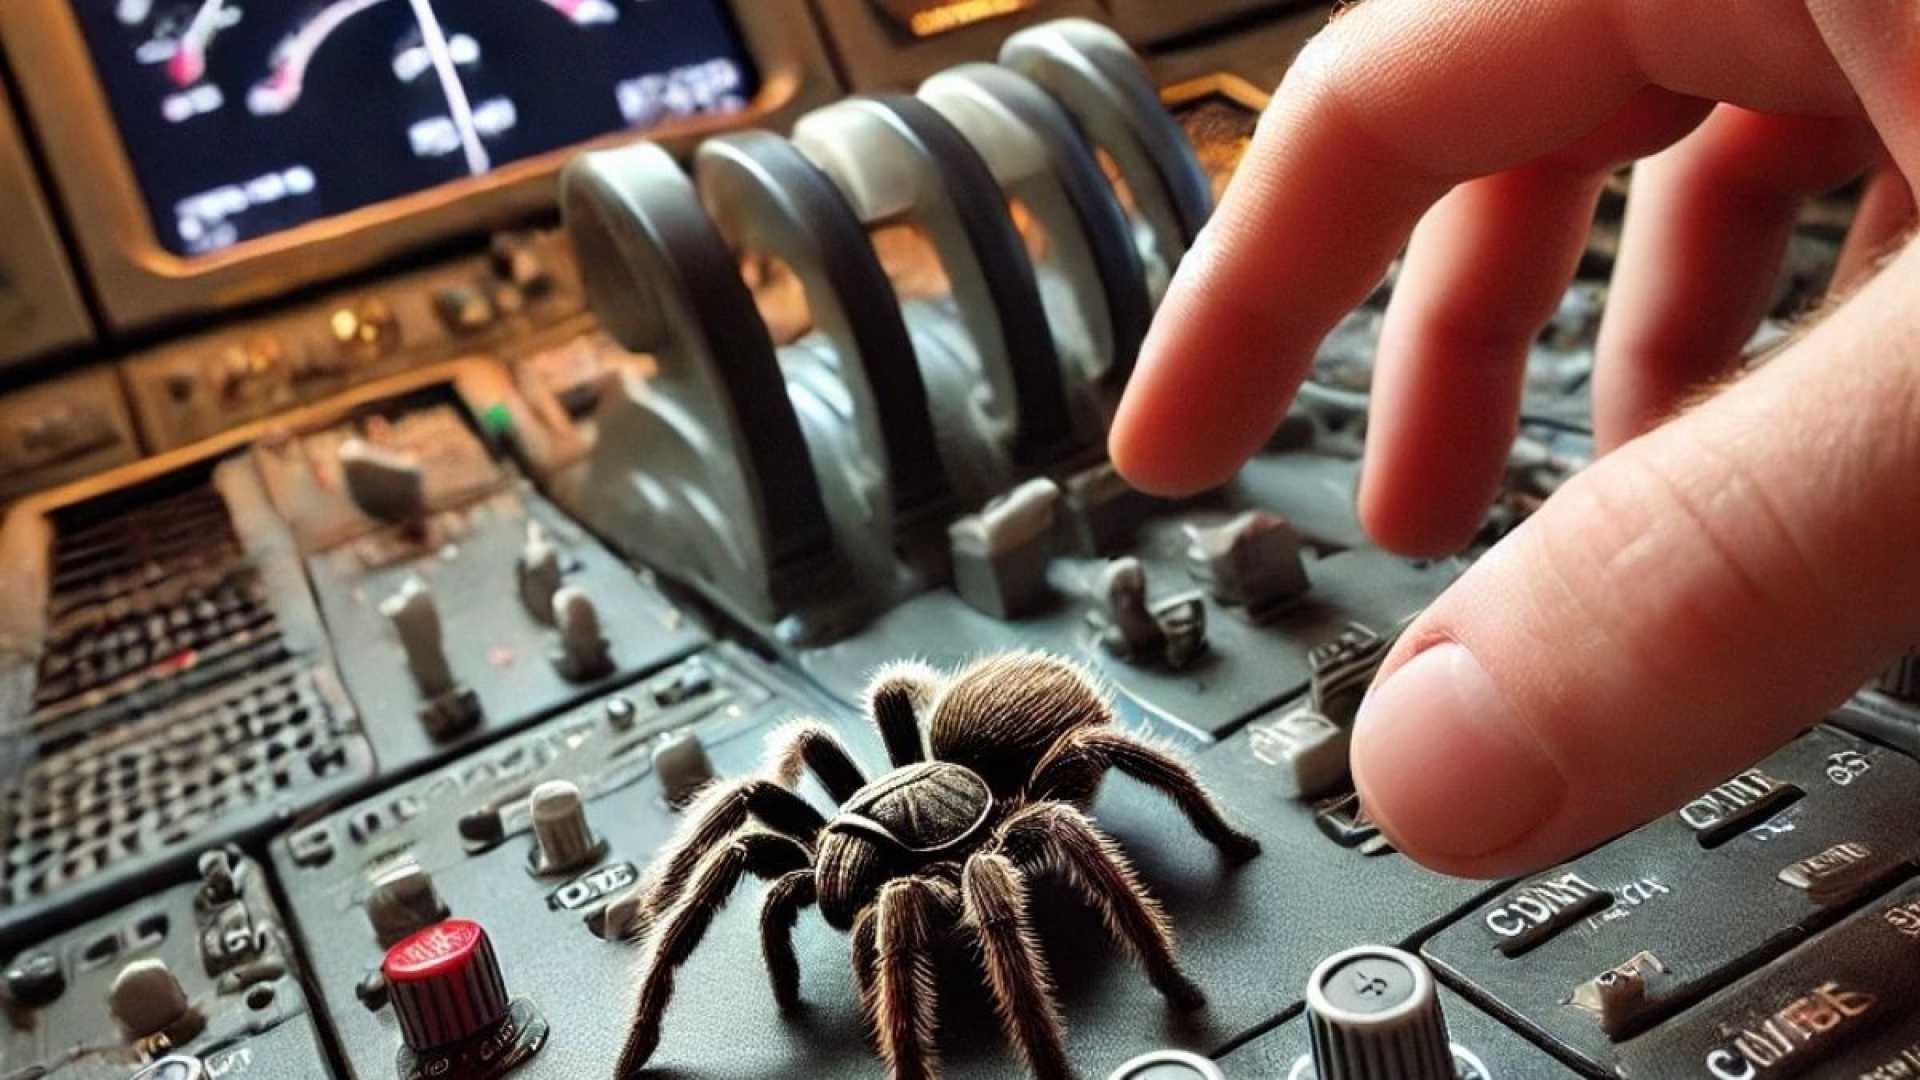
point(722, 809)
point(897, 696)
point(904, 1007)
point(789, 896)
point(811, 745)
point(995, 898)
point(1072, 770)
point(1055, 837)
point(764, 855)
point(713, 819)
point(864, 950)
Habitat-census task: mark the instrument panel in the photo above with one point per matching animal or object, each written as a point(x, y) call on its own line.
point(216, 154)
point(244, 119)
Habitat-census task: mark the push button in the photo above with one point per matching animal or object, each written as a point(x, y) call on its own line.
point(1845, 1003)
point(1307, 752)
point(692, 680)
point(1687, 921)
point(1535, 913)
point(1619, 997)
point(1738, 805)
point(1344, 821)
point(1840, 874)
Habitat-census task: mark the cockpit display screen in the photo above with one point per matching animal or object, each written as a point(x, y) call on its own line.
point(244, 118)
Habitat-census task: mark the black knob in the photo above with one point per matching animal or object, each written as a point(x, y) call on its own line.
point(35, 978)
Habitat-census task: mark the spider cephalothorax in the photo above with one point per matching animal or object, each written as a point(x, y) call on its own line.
point(986, 795)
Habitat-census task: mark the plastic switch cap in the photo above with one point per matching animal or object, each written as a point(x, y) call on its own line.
point(563, 839)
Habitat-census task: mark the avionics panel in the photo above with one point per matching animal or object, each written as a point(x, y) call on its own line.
point(40, 306)
point(242, 121)
point(217, 152)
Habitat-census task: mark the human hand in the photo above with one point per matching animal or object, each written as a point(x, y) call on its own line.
point(1713, 584)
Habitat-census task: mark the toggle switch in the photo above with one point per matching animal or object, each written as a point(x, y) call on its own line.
point(416, 618)
point(219, 882)
point(403, 902)
point(1173, 633)
point(538, 572)
point(583, 654)
point(683, 768)
point(448, 708)
point(147, 999)
point(1000, 554)
point(1252, 562)
point(385, 484)
point(563, 840)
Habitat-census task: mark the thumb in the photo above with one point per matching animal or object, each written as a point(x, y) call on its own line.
point(1688, 604)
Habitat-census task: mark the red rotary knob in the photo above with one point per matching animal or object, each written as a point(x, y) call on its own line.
point(445, 983)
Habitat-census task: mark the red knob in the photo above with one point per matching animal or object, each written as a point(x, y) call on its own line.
point(445, 983)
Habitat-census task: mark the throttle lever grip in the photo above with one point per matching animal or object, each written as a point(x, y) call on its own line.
point(1036, 153)
point(1102, 82)
point(702, 469)
point(895, 158)
point(764, 195)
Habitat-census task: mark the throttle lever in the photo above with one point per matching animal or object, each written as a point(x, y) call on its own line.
point(1102, 82)
point(895, 158)
point(702, 469)
point(1039, 158)
point(764, 195)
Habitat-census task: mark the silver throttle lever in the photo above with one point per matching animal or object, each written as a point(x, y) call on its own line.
point(701, 470)
point(764, 195)
point(1101, 313)
point(1102, 82)
point(897, 160)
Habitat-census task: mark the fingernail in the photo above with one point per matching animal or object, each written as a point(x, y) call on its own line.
point(1445, 766)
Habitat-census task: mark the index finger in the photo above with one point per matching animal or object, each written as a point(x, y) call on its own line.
point(1385, 111)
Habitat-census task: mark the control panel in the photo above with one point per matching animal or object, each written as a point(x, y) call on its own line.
point(542, 841)
point(703, 637)
point(63, 430)
point(192, 982)
point(170, 687)
point(463, 603)
point(1594, 953)
point(522, 286)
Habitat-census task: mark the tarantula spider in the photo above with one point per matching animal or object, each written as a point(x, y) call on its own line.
point(934, 848)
